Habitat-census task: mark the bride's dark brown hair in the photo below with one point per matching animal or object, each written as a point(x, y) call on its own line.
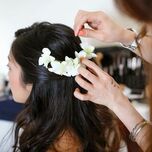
point(51, 108)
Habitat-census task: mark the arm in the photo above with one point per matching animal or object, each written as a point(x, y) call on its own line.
point(103, 28)
point(103, 90)
point(130, 117)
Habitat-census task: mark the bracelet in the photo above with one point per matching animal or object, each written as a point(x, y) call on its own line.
point(136, 130)
point(134, 45)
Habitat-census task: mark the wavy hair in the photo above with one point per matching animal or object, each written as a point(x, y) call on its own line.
point(51, 108)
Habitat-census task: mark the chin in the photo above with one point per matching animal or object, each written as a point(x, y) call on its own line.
point(18, 100)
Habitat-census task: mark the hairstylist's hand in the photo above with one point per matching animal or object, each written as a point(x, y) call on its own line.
point(102, 27)
point(102, 88)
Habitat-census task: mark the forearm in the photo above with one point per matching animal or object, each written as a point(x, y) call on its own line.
point(126, 113)
point(130, 117)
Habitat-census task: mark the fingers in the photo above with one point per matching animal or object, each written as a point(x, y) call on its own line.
point(80, 20)
point(92, 66)
point(81, 96)
point(88, 75)
point(88, 33)
point(83, 83)
point(92, 19)
point(95, 73)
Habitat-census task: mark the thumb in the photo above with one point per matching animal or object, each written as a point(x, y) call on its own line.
point(88, 33)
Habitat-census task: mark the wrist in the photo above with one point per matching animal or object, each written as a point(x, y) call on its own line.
point(119, 103)
point(128, 37)
point(132, 41)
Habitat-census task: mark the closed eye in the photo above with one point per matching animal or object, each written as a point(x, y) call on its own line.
point(8, 66)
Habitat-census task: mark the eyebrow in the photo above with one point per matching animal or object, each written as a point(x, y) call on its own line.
point(9, 58)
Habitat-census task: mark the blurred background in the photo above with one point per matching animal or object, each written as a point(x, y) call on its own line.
point(126, 68)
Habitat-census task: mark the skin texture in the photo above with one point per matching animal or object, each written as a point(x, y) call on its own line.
point(19, 90)
point(104, 29)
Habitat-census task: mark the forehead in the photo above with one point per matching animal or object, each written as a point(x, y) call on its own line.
point(12, 61)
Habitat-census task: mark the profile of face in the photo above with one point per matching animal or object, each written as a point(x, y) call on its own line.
point(20, 91)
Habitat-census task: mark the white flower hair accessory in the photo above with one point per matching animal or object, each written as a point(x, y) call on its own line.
point(68, 67)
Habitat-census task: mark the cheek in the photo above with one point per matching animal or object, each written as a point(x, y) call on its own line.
point(15, 85)
point(13, 80)
point(19, 90)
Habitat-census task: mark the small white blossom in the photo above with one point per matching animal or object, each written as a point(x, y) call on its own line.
point(46, 58)
point(81, 54)
point(72, 66)
point(68, 67)
point(58, 67)
point(88, 49)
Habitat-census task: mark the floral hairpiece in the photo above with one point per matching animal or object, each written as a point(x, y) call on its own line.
point(68, 67)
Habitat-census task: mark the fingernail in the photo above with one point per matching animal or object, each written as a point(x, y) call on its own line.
point(81, 33)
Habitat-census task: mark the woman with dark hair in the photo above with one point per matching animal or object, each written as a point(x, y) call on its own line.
point(103, 28)
point(41, 76)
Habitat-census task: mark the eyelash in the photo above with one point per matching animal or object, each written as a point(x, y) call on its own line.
point(8, 67)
